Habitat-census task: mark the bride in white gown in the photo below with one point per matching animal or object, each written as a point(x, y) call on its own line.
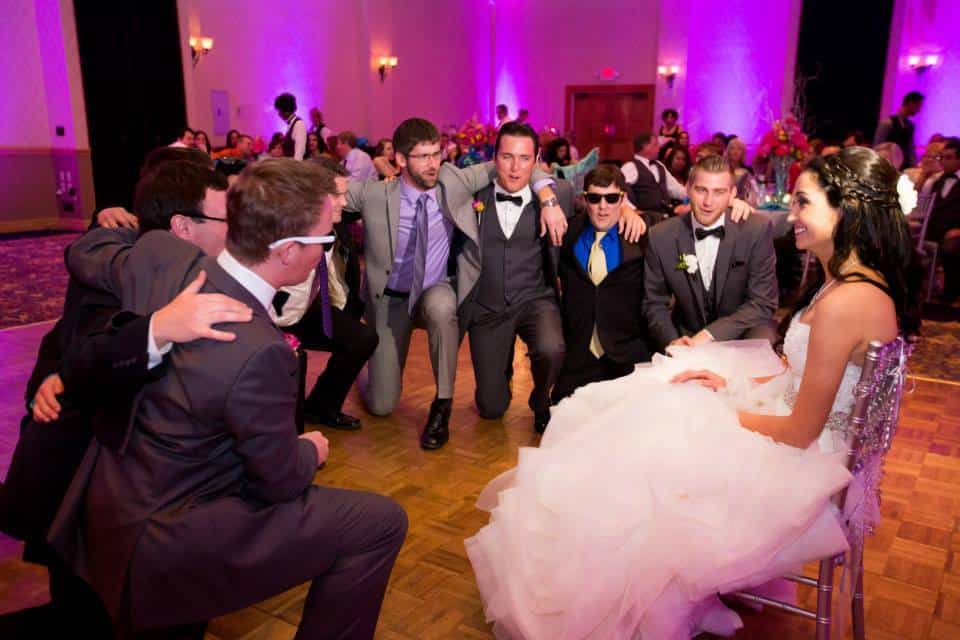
point(708, 471)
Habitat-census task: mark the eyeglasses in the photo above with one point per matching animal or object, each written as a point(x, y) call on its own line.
point(436, 155)
point(323, 240)
point(595, 198)
point(197, 214)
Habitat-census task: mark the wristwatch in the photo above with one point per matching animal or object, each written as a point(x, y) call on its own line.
point(550, 202)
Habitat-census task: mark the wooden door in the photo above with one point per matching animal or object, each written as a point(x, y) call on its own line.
point(609, 117)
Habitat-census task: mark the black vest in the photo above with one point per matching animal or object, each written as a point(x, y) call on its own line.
point(289, 146)
point(511, 270)
point(902, 134)
point(646, 193)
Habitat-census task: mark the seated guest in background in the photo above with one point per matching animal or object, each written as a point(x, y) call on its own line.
point(651, 186)
point(295, 138)
point(670, 127)
point(678, 163)
point(325, 316)
point(683, 139)
point(275, 147)
point(944, 225)
point(928, 168)
point(233, 136)
point(384, 159)
point(736, 155)
point(242, 149)
point(315, 146)
point(357, 161)
point(214, 441)
point(184, 138)
point(571, 137)
point(720, 139)
point(332, 144)
point(721, 276)
point(899, 128)
point(855, 138)
point(710, 148)
point(201, 141)
point(601, 280)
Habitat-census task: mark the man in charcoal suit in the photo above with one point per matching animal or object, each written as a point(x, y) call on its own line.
point(705, 277)
point(208, 504)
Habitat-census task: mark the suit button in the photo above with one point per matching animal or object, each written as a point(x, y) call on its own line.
point(376, 295)
point(388, 271)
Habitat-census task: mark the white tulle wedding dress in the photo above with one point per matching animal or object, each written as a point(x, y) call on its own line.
point(645, 499)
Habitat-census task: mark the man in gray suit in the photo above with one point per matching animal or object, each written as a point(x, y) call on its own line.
point(207, 506)
point(421, 241)
point(720, 277)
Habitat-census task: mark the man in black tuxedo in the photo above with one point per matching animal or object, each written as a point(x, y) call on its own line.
point(331, 321)
point(707, 278)
point(944, 225)
point(208, 504)
point(601, 279)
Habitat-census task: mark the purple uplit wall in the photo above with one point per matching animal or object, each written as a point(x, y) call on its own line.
point(23, 110)
point(926, 27)
point(543, 45)
point(740, 61)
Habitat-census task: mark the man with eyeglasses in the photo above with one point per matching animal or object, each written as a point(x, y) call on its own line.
point(209, 503)
point(421, 242)
point(601, 280)
point(944, 224)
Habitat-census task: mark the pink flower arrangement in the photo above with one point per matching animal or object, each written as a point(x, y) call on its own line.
point(784, 139)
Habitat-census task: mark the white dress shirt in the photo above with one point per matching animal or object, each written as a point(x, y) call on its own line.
point(706, 249)
point(262, 290)
point(507, 212)
point(299, 301)
point(299, 135)
point(674, 189)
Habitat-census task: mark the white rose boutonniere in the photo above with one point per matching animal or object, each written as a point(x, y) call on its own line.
point(688, 263)
point(906, 194)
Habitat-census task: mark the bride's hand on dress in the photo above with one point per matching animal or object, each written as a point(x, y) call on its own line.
point(708, 379)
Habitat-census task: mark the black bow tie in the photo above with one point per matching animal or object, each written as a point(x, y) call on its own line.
point(279, 299)
point(703, 233)
point(502, 197)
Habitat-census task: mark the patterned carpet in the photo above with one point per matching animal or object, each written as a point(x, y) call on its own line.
point(32, 278)
point(33, 282)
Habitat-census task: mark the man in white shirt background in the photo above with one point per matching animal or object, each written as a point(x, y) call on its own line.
point(184, 140)
point(651, 185)
point(357, 161)
point(295, 138)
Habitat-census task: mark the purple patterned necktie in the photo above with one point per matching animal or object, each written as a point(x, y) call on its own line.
point(322, 284)
point(422, 225)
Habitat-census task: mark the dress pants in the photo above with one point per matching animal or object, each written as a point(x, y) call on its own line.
point(492, 337)
point(582, 369)
point(950, 259)
point(351, 345)
point(435, 311)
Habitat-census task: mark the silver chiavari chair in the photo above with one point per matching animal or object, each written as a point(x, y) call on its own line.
point(869, 429)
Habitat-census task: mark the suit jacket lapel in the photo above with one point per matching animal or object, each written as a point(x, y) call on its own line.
point(463, 217)
point(724, 255)
point(685, 247)
point(393, 215)
point(229, 286)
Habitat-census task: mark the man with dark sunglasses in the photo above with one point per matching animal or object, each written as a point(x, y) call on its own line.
point(601, 279)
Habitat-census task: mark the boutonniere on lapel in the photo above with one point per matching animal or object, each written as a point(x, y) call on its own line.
point(688, 263)
point(292, 341)
point(478, 208)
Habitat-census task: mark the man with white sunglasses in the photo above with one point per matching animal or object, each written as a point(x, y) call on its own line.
point(209, 504)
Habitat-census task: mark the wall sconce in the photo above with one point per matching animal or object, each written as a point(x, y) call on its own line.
point(920, 63)
point(668, 73)
point(200, 47)
point(386, 63)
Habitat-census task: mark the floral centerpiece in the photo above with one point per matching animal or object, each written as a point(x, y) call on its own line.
point(784, 144)
point(478, 139)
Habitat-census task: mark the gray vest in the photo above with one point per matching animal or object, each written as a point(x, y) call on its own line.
point(511, 271)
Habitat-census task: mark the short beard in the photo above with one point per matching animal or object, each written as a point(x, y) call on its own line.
point(419, 181)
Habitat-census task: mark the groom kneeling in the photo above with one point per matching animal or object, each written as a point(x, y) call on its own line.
point(707, 278)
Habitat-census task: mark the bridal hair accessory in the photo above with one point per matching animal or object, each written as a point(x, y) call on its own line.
point(688, 262)
point(907, 194)
point(850, 186)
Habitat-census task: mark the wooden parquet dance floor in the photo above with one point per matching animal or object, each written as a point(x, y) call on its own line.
point(913, 562)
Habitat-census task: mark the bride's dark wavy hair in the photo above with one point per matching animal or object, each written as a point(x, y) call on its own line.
point(863, 187)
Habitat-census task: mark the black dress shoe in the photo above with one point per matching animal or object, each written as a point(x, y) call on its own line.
point(437, 430)
point(540, 421)
point(337, 420)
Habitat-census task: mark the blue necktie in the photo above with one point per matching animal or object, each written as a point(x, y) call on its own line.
point(422, 225)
